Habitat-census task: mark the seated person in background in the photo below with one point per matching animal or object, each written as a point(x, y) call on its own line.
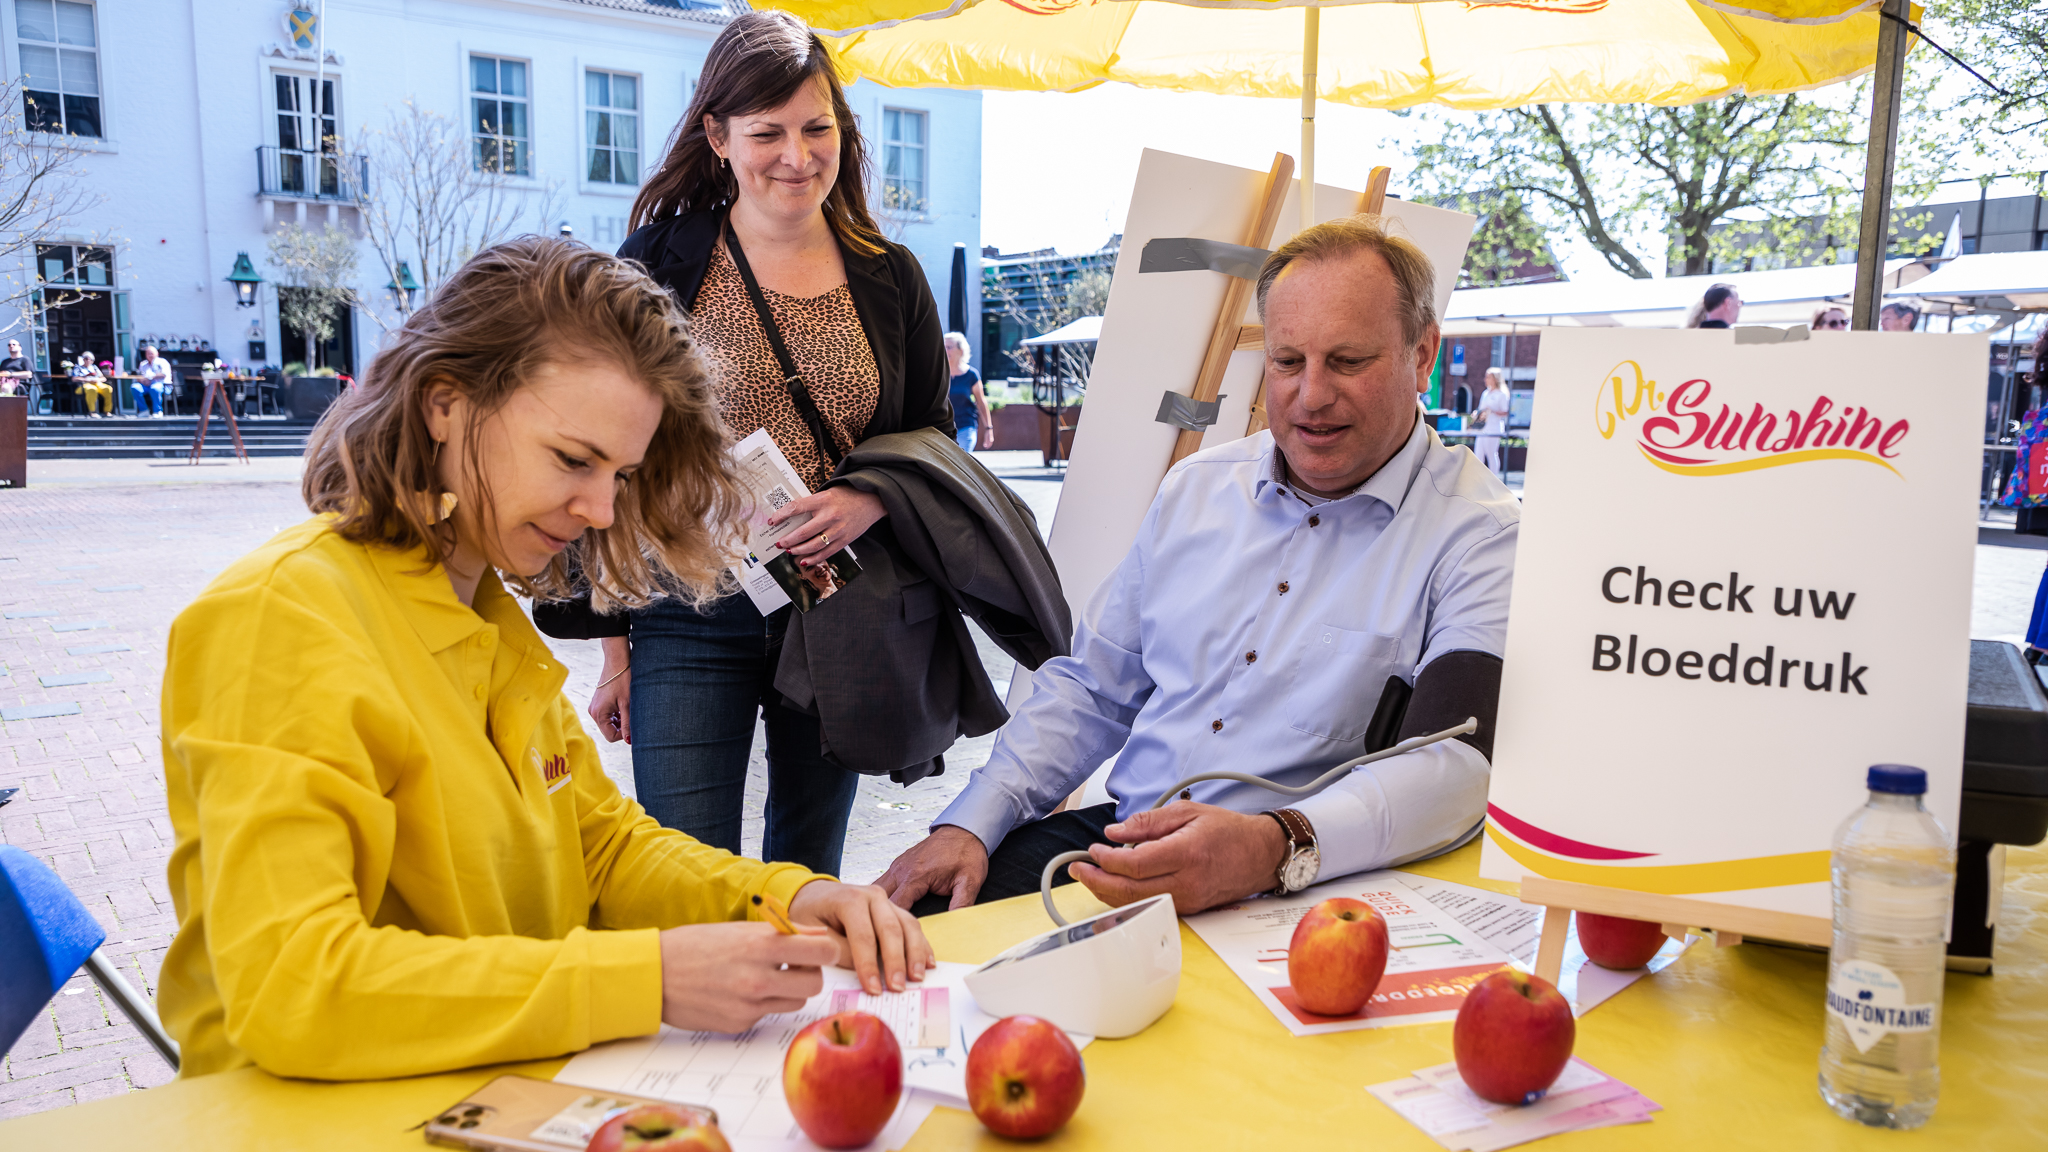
point(1274, 586)
point(153, 379)
point(92, 386)
point(397, 852)
point(16, 373)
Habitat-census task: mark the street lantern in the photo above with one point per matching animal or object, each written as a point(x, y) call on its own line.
point(245, 280)
point(568, 233)
point(404, 290)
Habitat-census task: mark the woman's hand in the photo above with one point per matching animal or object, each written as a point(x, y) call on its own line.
point(838, 517)
point(611, 704)
point(725, 977)
point(985, 438)
point(879, 941)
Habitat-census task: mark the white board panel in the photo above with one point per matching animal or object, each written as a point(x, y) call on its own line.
point(1675, 715)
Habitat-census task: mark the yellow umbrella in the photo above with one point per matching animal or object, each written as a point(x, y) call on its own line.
point(1381, 53)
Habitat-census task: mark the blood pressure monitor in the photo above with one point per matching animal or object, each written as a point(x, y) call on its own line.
point(1109, 976)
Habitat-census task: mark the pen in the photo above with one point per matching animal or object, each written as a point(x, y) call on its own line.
point(773, 911)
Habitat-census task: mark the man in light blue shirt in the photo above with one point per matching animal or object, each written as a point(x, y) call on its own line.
point(1292, 600)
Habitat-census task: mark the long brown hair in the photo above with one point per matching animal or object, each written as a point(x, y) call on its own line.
point(526, 302)
point(758, 63)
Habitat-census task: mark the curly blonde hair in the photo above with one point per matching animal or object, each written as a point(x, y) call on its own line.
point(529, 301)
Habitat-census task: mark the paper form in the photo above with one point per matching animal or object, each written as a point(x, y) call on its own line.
point(740, 1074)
point(1516, 929)
point(1432, 961)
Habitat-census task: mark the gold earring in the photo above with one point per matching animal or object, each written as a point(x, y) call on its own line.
point(448, 500)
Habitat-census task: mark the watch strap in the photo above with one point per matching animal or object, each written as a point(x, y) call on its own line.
point(1301, 837)
point(1300, 832)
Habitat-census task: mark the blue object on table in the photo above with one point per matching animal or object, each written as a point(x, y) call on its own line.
point(46, 935)
point(2037, 626)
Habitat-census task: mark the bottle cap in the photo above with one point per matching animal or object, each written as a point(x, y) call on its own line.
point(1898, 779)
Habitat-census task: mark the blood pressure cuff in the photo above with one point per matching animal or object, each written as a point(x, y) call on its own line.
point(1451, 687)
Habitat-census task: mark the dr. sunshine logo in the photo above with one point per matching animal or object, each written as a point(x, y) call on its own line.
point(1688, 432)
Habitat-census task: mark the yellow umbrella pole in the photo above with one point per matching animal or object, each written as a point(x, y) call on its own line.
point(1311, 30)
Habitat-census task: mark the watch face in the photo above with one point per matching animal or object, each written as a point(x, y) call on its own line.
point(1301, 868)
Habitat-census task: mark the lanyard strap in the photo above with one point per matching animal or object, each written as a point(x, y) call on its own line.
point(799, 392)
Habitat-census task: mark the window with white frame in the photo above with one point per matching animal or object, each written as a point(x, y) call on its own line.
point(308, 135)
point(499, 122)
point(903, 158)
point(611, 117)
point(60, 65)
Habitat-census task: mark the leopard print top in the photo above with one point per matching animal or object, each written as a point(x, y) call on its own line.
point(824, 338)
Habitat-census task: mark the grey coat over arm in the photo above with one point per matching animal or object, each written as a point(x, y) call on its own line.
point(886, 663)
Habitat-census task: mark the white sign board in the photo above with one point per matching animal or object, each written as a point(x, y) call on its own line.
point(1743, 578)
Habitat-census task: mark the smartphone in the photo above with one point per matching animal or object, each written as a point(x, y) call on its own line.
point(522, 1114)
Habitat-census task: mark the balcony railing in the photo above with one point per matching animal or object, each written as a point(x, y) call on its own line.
point(298, 174)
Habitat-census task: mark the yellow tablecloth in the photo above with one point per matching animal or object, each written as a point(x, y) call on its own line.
point(1726, 1040)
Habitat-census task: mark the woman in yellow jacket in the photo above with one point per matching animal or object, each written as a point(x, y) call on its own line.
point(397, 851)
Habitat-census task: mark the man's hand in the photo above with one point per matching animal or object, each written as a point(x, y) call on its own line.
point(879, 941)
point(1202, 854)
point(725, 977)
point(951, 860)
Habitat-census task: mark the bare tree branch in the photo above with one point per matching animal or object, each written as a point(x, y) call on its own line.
point(429, 206)
point(42, 191)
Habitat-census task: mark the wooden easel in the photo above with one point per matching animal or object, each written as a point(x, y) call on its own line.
point(216, 387)
point(1253, 336)
point(1681, 916)
point(1225, 335)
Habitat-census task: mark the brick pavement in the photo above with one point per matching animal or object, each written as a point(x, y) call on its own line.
point(94, 564)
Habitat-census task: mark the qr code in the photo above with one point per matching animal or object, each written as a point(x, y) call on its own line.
point(777, 497)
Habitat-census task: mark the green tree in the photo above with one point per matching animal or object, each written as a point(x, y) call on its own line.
point(2007, 42)
point(1772, 177)
point(317, 271)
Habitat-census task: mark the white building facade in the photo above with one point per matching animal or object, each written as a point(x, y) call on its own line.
point(203, 122)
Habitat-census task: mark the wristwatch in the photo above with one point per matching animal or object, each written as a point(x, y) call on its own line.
point(1303, 860)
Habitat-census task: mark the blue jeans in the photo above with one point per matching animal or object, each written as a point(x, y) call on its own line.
point(148, 397)
point(699, 681)
point(964, 436)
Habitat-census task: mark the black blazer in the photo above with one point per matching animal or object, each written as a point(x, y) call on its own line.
point(889, 292)
point(896, 312)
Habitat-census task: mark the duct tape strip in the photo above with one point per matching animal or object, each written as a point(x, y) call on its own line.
point(1764, 334)
point(1187, 413)
point(1188, 254)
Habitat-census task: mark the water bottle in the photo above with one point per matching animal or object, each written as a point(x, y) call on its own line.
point(1894, 878)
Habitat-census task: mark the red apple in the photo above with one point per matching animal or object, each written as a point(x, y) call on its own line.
point(1336, 957)
point(659, 1128)
point(1615, 942)
point(842, 1077)
point(1513, 1037)
point(1024, 1077)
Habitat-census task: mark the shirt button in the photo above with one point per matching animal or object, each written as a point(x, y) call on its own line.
point(1283, 587)
point(1314, 520)
point(1251, 657)
point(1216, 726)
point(481, 691)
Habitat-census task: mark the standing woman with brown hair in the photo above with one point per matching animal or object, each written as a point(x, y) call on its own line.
point(761, 206)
